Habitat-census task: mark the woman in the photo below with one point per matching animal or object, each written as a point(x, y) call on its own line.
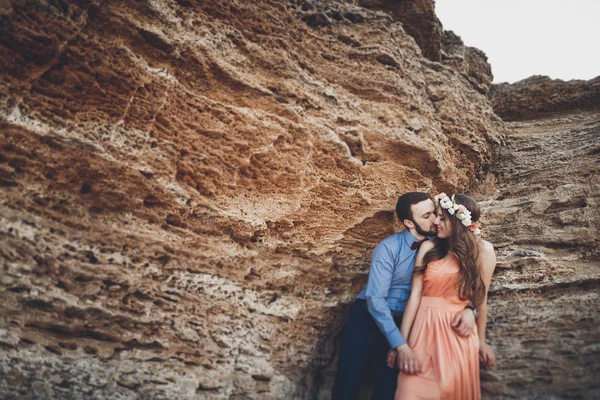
point(449, 275)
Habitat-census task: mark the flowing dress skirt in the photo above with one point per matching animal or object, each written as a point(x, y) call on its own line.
point(450, 362)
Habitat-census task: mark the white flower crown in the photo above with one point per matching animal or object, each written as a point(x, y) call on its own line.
point(458, 210)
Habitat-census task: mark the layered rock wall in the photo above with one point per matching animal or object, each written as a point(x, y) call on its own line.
point(472, 62)
point(543, 216)
point(190, 190)
point(419, 21)
point(544, 219)
point(539, 96)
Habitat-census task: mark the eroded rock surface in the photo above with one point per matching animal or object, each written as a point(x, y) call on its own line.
point(419, 20)
point(539, 96)
point(190, 190)
point(544, 220)
point(470, 61)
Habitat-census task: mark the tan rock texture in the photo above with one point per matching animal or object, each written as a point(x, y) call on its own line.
point(419, 21)
point(190, 190)
point(543, 218)
point(472, 62)
point(539, 96)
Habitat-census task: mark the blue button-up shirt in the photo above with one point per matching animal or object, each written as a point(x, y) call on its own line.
point(390, 281)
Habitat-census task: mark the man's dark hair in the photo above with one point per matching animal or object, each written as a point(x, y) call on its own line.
point(403, 206)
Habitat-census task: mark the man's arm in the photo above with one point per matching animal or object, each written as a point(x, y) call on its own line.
point(378, 286)
point(464, 322)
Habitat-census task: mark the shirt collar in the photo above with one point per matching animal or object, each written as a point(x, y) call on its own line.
point(409, 238)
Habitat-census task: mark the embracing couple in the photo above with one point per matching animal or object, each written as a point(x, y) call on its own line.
point(418, 326)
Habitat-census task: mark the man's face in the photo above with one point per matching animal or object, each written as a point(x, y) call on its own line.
point(424, 217)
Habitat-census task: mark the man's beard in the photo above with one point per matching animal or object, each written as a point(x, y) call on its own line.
point(422, 231)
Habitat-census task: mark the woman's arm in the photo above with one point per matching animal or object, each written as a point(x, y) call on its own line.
point(410, 312)
point(412, 306)
point(487, 264)
point(402, 355)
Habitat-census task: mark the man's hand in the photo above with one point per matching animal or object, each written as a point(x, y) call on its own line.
point(486, 355)
point(464, 322)
point(391, 358)
point(406, 360)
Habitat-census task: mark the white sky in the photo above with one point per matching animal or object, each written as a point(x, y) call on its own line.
point(558, 38)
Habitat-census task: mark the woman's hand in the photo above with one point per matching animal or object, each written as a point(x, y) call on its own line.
point(391, 358)
point(486, 355)
point(405, 360)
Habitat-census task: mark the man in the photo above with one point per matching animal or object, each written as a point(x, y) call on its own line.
point(372, 327)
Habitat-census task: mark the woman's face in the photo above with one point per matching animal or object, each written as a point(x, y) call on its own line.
point(443, 224)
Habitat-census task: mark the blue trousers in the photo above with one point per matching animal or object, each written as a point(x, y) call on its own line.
point(363, 349)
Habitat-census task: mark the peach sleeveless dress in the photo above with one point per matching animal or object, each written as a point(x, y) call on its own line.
point(450, 362)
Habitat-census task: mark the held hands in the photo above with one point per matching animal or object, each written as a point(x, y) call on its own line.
point(404, 358)
point(391, 358)
point(464, 322)
point(487, 358)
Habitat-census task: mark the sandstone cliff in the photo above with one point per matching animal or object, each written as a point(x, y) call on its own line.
point(419, 21)
point(190, 190)
point(543, 216)
point(540, 96)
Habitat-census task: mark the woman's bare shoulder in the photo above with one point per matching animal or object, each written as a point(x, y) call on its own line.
point(425, 247)
point(487, 257)
point(485, 247)
point(428, 244)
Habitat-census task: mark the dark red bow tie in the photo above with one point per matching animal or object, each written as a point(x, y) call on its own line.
point(416, 245)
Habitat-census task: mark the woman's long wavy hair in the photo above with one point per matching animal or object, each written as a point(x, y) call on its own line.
point(463, 244)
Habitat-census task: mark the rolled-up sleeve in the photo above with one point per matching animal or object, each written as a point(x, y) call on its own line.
point(378, 286)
